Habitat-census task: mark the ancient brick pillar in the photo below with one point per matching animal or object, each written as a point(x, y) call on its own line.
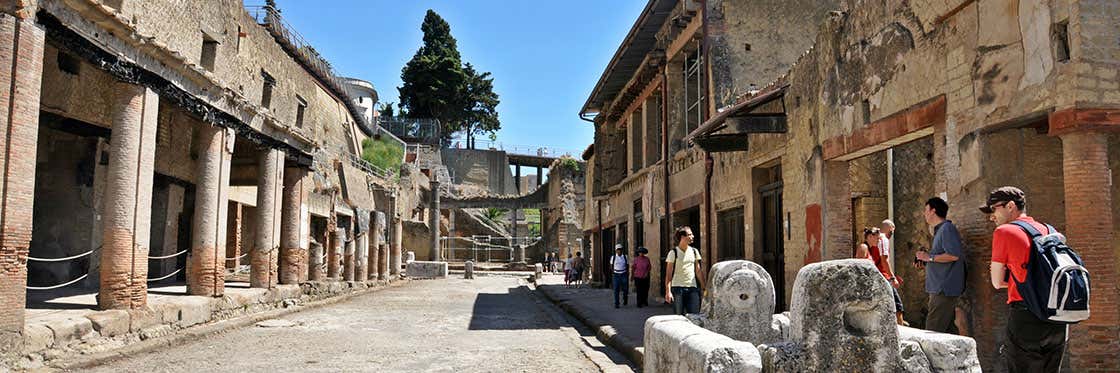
point(21, 58)
point(433, 222)
point(383, 261)
point(348, 258)
point(293, 256)
point(837, 211)
point(394, 240)
point(266, 245)
point(126, 219)
point(1089, 222)
point(334, 254)
point(206, 267)
point(375, 229)
point(316, 270)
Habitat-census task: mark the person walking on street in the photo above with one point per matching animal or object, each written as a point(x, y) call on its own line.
point(577, 269)
point(944, 265)
point(568, 270)
point(640, 273)
point(683, 274)
point(620, 279)
point(1032, 345)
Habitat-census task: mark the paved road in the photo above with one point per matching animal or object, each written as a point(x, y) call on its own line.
point(489, 324)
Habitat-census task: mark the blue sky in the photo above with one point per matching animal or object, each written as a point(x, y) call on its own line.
point(545, 56)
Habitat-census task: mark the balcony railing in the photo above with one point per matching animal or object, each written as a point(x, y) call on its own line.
point(412, 130)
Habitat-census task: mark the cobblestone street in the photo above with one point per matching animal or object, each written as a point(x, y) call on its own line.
point(488, 324)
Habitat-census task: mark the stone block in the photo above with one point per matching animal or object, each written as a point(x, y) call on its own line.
point(73, 329)
point(468, 270)
point(409, 257)
point(712, 352)
point(110, 323)
point(911, 359)
point(37, 337)
point(740, 303)
point(418, 269)
point(843, 315)
point(288, 291)
point(780, 323)
point(193, 310)
point(156, 331)
point(945, 352)
point(144, 319)
point(782, 357)
point(662, 341)
point(538, 270)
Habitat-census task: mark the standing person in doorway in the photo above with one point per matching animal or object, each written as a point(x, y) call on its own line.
point(640, 273)
point(620, 279)
point(872, 238)
point(944, 265)
point(568, 270)
point(1032, 345)
point(683, 274)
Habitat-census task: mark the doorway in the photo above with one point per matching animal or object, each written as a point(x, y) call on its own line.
point(771, 240)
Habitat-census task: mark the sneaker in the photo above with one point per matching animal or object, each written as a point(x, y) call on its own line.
point(616, 306)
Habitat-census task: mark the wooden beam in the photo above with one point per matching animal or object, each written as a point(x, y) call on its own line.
point(758, 123)
point(723, 143)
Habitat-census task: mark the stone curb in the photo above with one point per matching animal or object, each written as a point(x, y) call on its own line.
point(195, 333)
point(604, 332)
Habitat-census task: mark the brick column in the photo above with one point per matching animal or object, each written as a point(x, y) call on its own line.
point(348, 257)
point(1095, 343)
point(334, 254)
point(265, 255)
point(128, 198)
point(837, 211)
point(383, 260)
point(21, 58)
point(374, 244)
point(433, 222)
point(316, 269)
point(233, 235)
point(395, 232)
point(206, 266)
point(293, 256)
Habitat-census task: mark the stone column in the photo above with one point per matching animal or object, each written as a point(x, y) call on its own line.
point(128, 198)
point(377, 223)
point(433, 222)
point(293, 256)
point(21, 58)
point(206, 265)
point(348, 258)
point(265, 255)
point(361, 262)
point(1089, 228)
point(395, 233)
point(316, 266)
point(334, 257)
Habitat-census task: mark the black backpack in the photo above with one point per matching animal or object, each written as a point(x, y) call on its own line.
point(1057, 285)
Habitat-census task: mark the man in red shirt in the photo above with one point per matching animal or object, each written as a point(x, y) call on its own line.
point(1033, 345)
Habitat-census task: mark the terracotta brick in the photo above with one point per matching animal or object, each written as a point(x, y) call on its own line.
point(293, 257)
point(266, 244)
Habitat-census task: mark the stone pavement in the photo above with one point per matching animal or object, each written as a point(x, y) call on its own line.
point(490, 324)
point(622, 328)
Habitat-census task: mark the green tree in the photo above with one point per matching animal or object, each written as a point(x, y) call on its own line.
point(385, 109)
point(479, 106)
point(433, 79)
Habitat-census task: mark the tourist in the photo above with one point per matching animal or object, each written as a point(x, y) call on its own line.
point(1033, 345)
point(683, 274)
point(620, 280)
point(577, 269)
point(886, 235)
point(568, 270)
point(870, 249)
point(944, 266)
point(640, 273)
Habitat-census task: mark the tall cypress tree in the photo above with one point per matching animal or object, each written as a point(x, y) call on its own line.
point(434, 78)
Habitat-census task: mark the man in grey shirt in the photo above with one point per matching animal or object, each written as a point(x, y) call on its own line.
point(944, 265)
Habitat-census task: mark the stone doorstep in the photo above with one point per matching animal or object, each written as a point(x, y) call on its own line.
point(169, 314)
point(604, 332)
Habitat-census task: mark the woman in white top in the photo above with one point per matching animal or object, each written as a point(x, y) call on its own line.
point(568, 270)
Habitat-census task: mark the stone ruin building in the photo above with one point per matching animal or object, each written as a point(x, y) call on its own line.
point(162, 141)
point(776, 138)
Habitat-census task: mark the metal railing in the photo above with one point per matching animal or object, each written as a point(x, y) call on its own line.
point(459, 142)
point(413, 130)
point(483, 248)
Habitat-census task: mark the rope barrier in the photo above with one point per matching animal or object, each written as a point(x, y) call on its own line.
point(168, 256)
point(33, 259)
point(165, 277)
point(238, 257)
point(57, 286)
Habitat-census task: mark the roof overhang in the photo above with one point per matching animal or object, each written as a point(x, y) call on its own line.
point(736, 123)
point(628, 58)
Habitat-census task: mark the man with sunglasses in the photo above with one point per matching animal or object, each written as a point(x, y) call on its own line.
point(1032, 345)
point(944, 266)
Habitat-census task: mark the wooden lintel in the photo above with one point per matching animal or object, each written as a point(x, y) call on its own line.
point(758, 123)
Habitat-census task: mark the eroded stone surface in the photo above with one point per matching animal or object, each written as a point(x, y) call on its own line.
point(945, 352)
point(740, 303)
point(421, 269)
